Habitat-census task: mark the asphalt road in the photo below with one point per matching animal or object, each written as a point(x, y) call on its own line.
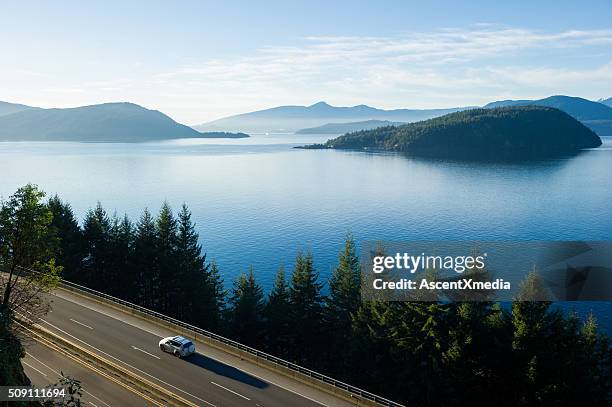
point(44, 366)
point(200, 378)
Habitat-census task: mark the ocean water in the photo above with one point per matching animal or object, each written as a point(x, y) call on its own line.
point(258, 201)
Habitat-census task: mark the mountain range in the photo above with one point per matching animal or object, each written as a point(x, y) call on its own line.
point(595, 115)
point(9, 108)
point(607, 102)
point(323, 118)
point(128, 122)
point(294, 118)
point(107, 122)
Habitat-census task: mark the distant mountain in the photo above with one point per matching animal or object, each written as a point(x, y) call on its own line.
point(341, 128)
point(596, 115)
point(9, 108)
point(293, 118)
point(108, 122)
point(607, 102)
point(517, 132)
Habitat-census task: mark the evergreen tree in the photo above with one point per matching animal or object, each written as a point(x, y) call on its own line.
point(145, 263)
point(121, 252)
point(201, 286)
point(96, 232)
point(342, 303)
point(278, 322)
point(171, 277)
point(306, 311)
point(191, 270)
point(247, 303)
point(215, 313)
point(70, 250)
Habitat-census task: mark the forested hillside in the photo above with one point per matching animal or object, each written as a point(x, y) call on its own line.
point(489, 134)
point(420, 353)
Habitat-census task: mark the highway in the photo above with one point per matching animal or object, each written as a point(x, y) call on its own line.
point(44, 366)
point(208, 378)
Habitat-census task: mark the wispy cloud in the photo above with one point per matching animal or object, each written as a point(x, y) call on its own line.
point(440, 68)
point(415, 69)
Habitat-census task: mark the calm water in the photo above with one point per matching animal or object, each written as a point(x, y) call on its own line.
point(257, 201)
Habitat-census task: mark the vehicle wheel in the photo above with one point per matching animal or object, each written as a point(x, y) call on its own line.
point(162, 348)
point(177, 354)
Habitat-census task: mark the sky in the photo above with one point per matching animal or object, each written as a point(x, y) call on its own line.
point(198, 60)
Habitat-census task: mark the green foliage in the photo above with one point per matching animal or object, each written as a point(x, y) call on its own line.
point(306, 310)
point(342, 303)
point(26, 238)
point(11, 352)
point(526, 132)
point(278, 320)
point(96, 232)
point(70, 249)
point(527, 353)
point(247, 304)
point(74, 392)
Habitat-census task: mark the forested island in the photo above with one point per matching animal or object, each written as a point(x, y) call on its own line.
point(434, 353)
point(521, 132)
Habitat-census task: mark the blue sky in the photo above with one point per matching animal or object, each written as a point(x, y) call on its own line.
point(198, 61)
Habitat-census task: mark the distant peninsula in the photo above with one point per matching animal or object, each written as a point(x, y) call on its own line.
point(517, 132)
point(107, 122)
point(341, 128)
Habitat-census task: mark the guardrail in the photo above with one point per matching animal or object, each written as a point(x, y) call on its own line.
point(352, 390)
point(152, 392)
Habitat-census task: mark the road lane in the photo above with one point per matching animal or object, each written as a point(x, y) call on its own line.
point(198, 378)
point(44, 366)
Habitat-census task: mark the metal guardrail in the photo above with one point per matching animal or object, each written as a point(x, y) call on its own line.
point(281, 362)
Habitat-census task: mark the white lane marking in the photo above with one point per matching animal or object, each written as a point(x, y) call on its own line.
point(59, 374)
point(33, 368)
point(127, 364)
point(231, 391)
point(144, 351)
point(38, 360)
point(152, 332)
point(97, 398)
point(80, 323)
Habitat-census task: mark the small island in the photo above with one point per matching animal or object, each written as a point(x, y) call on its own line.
point(341, 128)
point(507, 133)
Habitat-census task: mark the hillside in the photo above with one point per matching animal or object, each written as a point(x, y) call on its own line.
point(108, 122)
point(521, 132)
point(596, 115)
point(341, 128)
point(607, 102)
point(294, 118)
point(9, 108)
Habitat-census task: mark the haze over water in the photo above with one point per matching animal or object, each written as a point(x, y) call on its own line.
point(258, 201)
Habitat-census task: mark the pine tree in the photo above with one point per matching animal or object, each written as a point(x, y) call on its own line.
point(171, 277)
point(342, 303)
point(215, 313)
point(70, 250)
point(145, 262)
point(201, 285)
point(96, 232)
point(278, 322)
point(247, 303)
point(121, 251)
point(306, 310)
